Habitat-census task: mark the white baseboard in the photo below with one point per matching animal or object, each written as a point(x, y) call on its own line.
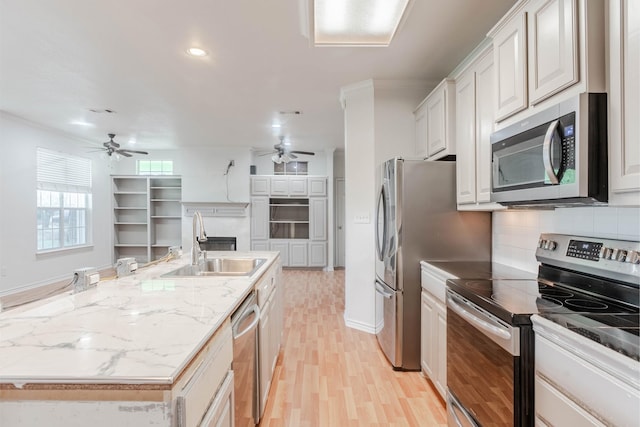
point(361, 326)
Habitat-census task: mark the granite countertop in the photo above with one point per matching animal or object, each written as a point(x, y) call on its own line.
point(140, 329)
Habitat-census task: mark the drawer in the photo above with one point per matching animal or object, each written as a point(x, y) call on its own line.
point(265, 287)
point(195, 396)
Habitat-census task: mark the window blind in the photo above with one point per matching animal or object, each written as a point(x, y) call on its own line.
point(63, 172)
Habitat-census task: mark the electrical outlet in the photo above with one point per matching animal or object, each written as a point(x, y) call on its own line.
point(3, 271)
point(84, 278)
point(362, 219)
point(126, 266)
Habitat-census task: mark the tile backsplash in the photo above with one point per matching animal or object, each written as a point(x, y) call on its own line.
point(516, 232)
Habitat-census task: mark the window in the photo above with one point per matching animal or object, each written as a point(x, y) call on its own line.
point(155, 167)
point(290, 168)
point(63, 200)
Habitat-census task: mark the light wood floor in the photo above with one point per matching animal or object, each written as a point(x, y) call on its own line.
point(331, 375)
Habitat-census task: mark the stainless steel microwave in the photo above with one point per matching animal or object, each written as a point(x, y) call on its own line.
point(557, 157)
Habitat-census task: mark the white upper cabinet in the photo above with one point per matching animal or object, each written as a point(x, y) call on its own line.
point(509, 55)
point(259, 185)
point(485, 114)
point(279, 186)
point(474, 125)
point(317, 186)
point(553, 41)
point(465, 137)
point(624, 102)
point(421, 131)
point(440, 111)
point(544, 48)
point(435, 123)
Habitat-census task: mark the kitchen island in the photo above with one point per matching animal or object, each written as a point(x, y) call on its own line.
point(121, 352)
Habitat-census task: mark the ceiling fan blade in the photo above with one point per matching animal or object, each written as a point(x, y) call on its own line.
point(268, 154)
point(132, 151)
point(308, 153)
point(123, 153)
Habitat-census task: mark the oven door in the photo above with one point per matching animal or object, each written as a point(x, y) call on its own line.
point(482, 361)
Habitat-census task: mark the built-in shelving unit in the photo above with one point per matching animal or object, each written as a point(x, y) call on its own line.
point(289, 215)
point(288, 218)
point(147, 215)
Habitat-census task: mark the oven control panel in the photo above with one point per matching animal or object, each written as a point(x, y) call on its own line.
point(584, 250)
point(611, 258)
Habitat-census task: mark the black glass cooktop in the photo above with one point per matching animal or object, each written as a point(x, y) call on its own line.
point(514, 300)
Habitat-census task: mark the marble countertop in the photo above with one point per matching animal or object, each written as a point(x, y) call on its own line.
point(140, 329)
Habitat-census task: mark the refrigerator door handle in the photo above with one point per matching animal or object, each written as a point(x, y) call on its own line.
point(382, 291)
point(381, 241)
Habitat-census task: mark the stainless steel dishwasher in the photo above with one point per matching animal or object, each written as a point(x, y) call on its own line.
point(244, 323)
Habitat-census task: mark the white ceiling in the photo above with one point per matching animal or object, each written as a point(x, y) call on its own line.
point(60, 58)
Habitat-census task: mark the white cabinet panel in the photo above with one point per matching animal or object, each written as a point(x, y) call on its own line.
point(220, 413)
point(440, 351)
point(624, 105)
point(433, 343)
point(297, 186)
point(474, 125)
point(509, 55)
point(260, 185)
point(466, 138)
point(421, 131)
point(279, 186)
point(440, 114)
point(283, 248)
point(259, 218)
point(298, 254)
point(553, 47)
point(426, 330)
point(259, 245)
point(317, 254)
point(318, 219)
point(317, 187)
point(484, 123)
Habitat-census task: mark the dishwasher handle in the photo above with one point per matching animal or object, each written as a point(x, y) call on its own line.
point(250, 310)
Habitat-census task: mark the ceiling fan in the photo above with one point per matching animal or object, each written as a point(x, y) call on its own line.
point(283, 155)
point(112, 147)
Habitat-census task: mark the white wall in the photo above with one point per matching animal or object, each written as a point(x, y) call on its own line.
point(379, 125)
point(516, 233)
point(20, 266)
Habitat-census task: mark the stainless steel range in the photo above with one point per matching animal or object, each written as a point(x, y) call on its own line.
point(559, 350)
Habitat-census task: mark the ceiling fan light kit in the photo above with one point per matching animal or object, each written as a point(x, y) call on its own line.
point(283, 155)
point(111, 147)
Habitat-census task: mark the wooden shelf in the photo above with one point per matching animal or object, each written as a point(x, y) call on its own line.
point(147, 214)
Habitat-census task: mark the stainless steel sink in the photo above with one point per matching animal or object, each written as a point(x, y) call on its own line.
point(219, 267)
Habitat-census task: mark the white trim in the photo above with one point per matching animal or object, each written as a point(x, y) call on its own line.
point(361, 326)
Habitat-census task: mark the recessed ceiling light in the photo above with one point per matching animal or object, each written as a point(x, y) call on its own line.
point(196, 51)
point(356, 22)
point(82, 123)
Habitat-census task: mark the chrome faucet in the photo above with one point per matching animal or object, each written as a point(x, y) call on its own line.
point(198, 237)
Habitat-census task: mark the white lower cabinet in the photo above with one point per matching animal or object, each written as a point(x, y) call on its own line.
point(283, 248)
point(295, 253)
point(433, 333)
point(202, 396)
point(220, 412)
point(317, 254)
point(270, 331)
point(298, 253)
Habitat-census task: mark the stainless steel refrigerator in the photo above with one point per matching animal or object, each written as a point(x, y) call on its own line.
point(417, 219)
